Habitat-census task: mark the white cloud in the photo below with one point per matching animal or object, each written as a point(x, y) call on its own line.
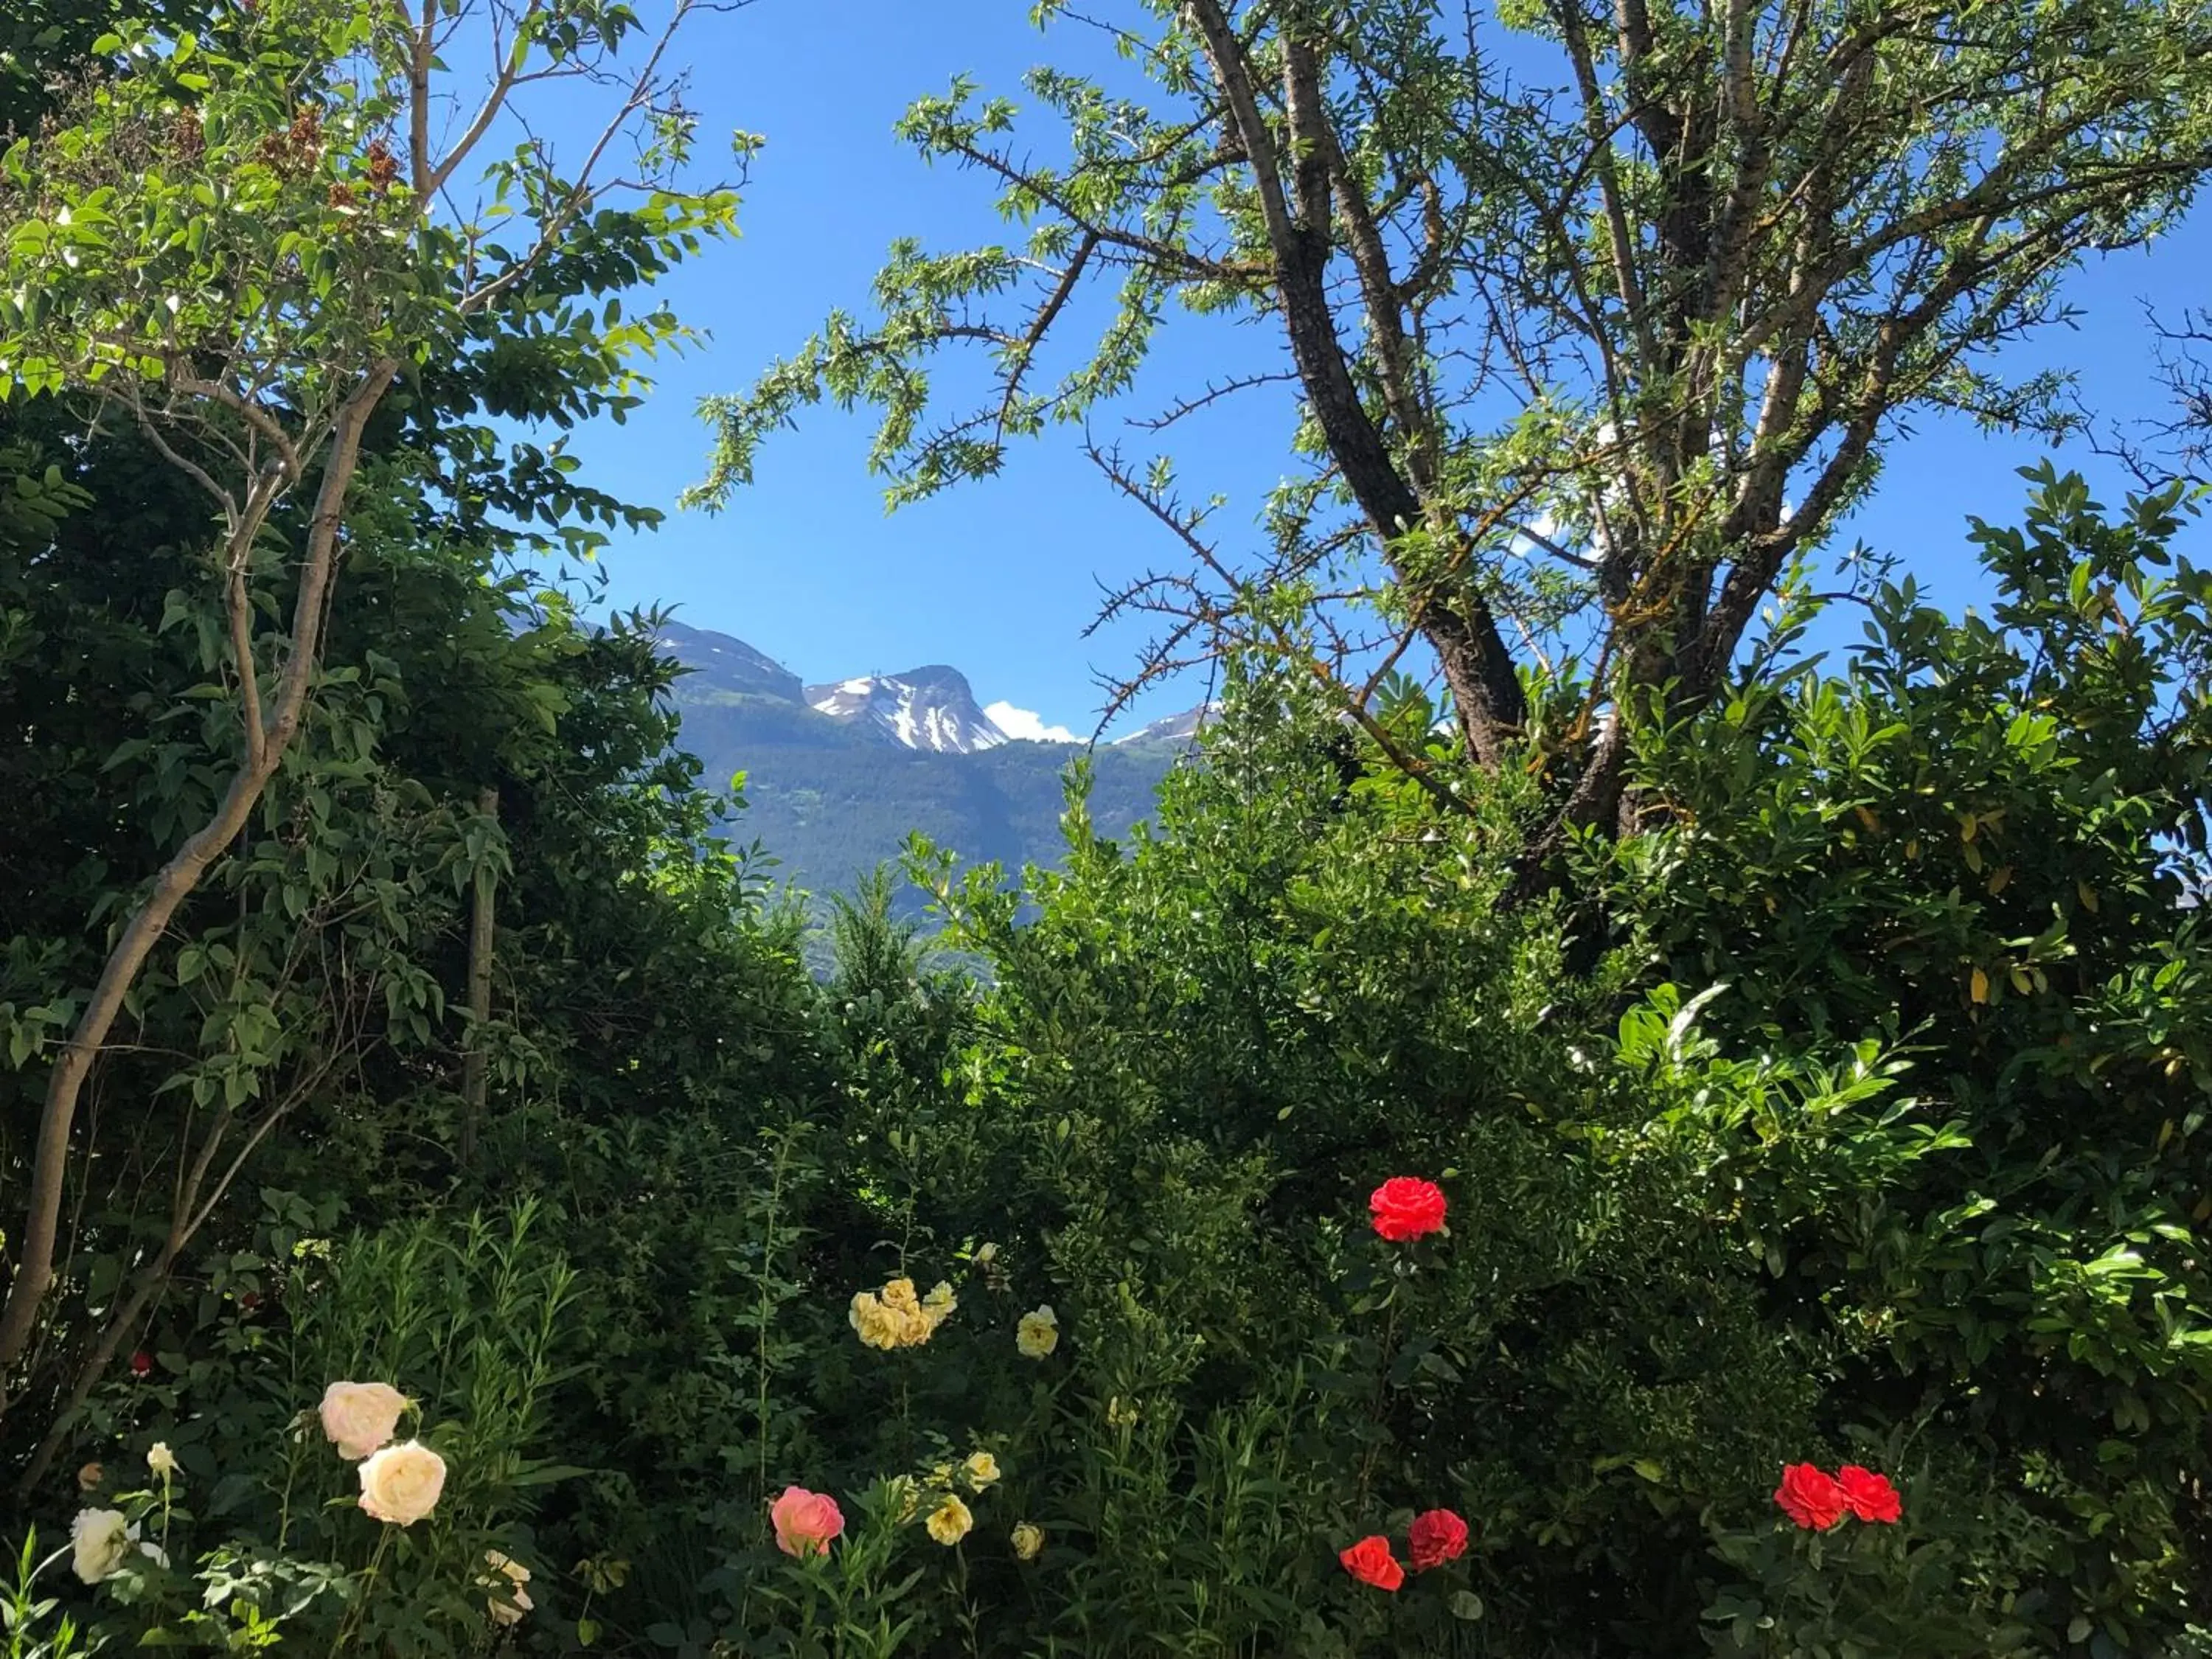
point(1027, 725)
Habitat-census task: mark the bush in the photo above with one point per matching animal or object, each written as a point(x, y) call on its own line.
point(1067, 1290)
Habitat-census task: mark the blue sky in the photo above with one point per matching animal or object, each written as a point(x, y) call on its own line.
point(1001, 578)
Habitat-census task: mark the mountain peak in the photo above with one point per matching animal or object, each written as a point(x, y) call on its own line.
point(725, 665)
point(931, 708)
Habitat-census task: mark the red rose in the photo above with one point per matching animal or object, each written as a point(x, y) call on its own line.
point(1810, 1498)
point(248, 1301)
point(1871, 1496)
point(142, 1364)
point(1436, 1538)
point(1406, 1208)
point(1370, 1562)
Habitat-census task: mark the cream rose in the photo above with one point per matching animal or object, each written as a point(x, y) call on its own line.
point(1029, 1539)
point(162, 1461)
point(359, 1416)
point(981, 1469)
point(400, 1484)
point(509, 1601)
point(1038, 1333)
point(102, 1538)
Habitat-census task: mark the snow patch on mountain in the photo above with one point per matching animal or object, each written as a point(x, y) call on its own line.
point(1174, 727)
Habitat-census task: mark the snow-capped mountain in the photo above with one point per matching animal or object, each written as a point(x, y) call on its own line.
point(930, 707)
point(724, 662)
point(1173, 727)
point(836, 776)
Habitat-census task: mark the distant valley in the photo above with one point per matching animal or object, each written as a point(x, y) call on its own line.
point(838, 773)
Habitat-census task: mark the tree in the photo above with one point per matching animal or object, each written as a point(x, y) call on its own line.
point(1598, 316)
point(238, 244)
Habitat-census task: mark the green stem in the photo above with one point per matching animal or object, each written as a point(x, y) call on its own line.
point(359, 1608)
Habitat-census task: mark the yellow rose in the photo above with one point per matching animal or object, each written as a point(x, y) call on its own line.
point(400, 1484)
point(1038, 1334)
point(359, 1416)
point(896, 1318)
point(879, 1327)
point(981, 1469)
point(1029, 1539)
point(162, 1461)
point(101, 1538)
point(950, 1521)
point(985, 1254)
point(508, 1600)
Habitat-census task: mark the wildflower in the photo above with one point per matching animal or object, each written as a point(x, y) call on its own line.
point(1436, 1537)
point(1406, 1208)
point(1370, 1562)
point(162, 1461)
point(1871, 1496)
point(400, 1484)
point(950, 1520)
point(359, 1416)
point(1028, 1539)
point(1808, 1497)
point(1119, 1416)
point(806, 1521)
point(905, 1495)
point(89, 1477)
point(1038, 1334)
point(979, 1470)
point(509, 1601)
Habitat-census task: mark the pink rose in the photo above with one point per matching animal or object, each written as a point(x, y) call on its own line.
point(806, 1521)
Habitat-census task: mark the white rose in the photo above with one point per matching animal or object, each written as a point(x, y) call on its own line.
point(359, 1416)
point(162, 1461)
point(102, 1538)
point(401, 1483)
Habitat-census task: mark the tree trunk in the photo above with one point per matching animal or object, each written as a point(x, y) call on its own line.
point(182, 875)
point(476, 1063)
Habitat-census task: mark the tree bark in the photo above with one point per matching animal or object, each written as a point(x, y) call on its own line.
point(475, 1062)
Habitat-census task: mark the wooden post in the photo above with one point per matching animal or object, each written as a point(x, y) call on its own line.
point(475, 1063)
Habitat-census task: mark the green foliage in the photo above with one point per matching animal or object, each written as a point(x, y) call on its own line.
point(1853, 1111)
point(1985, 841)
